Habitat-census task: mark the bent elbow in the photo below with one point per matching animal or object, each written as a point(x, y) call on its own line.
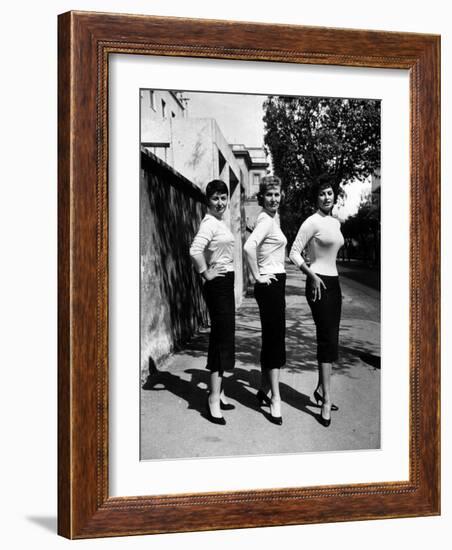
point(194, 251)
point(296, 258)
point(248, 248)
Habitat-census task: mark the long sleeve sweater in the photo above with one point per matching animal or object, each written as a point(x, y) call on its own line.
point(270, 244)
point(321, 235)
point(215, 240)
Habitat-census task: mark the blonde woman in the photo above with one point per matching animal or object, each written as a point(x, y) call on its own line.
point(265, 253)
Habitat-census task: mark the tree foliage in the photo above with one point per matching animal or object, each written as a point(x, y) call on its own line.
point(364, 229)
point(311, 137)
point(365, 221)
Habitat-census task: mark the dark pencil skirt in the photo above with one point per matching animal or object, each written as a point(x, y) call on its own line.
point(327, 316)
point(219, 296)
point(271, 300)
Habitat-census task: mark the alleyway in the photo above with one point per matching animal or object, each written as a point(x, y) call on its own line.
point(173, 422)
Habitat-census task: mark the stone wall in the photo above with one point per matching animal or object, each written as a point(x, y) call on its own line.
point(172, 307)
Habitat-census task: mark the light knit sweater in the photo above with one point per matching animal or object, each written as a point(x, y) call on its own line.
point(215, 240)
point(321, 235)
point(270, 244)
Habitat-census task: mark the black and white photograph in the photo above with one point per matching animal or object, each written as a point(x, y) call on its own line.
point(259, 274)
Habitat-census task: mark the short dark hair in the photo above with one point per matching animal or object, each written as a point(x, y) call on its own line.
point(265, 183)
point(322, 182)
point(216, 186)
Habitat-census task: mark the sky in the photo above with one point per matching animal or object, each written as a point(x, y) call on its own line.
point(239, 116)
point(353, 195)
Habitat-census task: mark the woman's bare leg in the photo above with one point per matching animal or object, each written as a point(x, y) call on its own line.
point(273, 375)
point(214, 396)
point(325, 376)
point(319, 387)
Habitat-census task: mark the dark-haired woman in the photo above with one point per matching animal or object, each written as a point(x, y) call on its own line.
point(265, 252)
point(212, 253)
point(321, 234)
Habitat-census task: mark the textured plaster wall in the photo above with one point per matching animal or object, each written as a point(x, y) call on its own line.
point(193, 150)
point(196, 144)
point(172, 306)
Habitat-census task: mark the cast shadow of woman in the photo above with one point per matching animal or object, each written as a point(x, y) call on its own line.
point(242, 385)
point(159, 380)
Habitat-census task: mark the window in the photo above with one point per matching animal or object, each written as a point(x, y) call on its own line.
point(163, 108)
point(256, 181)
point(152, 99)
point(173, 114)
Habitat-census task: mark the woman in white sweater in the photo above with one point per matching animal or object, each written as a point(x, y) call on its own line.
point(265, 252)
point(321, 235)
point(212, 253)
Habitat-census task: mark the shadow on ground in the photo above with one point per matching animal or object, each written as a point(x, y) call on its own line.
point(240, 385)
point(180, 385)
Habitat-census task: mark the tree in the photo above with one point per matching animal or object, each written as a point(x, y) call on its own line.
point(309, 137)
point(364, 228)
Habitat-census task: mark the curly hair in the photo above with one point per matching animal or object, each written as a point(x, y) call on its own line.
point(266, 183)
point(322, 182)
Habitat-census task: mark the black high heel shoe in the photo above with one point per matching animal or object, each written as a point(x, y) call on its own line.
point(226, 406)
point(262, 398)
point(319, 398)
point(325, 421)
point(214, 419)
point(275, 419)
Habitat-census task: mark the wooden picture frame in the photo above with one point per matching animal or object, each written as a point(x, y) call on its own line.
point(85, 42)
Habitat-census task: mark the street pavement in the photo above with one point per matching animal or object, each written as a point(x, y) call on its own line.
point(173, 399)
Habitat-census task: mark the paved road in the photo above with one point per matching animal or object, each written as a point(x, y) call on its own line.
point(173, 422)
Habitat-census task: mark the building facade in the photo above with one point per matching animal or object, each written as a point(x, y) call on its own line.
point(254, 165)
